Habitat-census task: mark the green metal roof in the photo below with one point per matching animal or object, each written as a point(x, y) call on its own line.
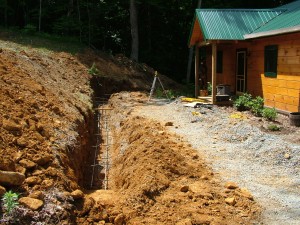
point(233, 24)
point(288, 19)
point(241, 24)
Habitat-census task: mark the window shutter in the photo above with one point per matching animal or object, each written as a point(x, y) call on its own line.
point(271, 53)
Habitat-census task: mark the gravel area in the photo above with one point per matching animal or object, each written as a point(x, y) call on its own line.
point(239, 149)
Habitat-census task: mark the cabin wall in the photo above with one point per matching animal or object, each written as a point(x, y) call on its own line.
point(283, 91)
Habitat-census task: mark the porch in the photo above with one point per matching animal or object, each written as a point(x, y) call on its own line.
point(221, 70)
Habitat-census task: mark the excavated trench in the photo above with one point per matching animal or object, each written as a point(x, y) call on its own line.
point(98, 160)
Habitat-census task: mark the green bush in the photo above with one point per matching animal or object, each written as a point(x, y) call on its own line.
point(243, 102)
point(256, 106)
point(269, 113)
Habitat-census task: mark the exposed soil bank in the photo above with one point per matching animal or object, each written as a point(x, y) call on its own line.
point(46, 115)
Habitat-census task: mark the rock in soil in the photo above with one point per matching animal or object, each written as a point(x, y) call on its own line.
point(11, 178)
point(31, 203)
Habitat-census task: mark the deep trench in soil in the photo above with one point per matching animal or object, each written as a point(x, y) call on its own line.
point(96, 170)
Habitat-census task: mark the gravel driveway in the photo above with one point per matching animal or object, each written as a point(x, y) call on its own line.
point(238, 150)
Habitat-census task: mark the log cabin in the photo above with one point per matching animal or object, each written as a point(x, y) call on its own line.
point(249, 50)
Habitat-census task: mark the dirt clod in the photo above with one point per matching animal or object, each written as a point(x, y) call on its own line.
point(31, 203)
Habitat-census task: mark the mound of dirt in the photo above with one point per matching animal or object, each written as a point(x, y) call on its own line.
point(46, 110)
point(158, 179)
point(118, 73)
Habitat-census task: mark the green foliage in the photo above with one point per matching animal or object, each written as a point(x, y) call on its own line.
point(243, 102)
point(10, 201)
point(160, 93)
point(269, 113)
point(93, 70)
point(105, 24)
point(29, 29)
point(273, 127)
point(256, 106)
point(187, 90)
point(209, 88)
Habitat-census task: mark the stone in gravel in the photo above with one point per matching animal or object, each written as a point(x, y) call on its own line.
point(11, 125)
point(244, 192)
point(204, 177)
point(184, 188)
point(120, 219)
point(169, 124)
point(230, 201)
point(7, 164)
point(185, 222)
point(37, 195)
point(77, 194)
point(195, 156)
point(11, 178)
point(201, 219)
point(42, 159)
point(33, 180)
point(20, 169)
point(47, 183)
point(2, 191)
point(17, 156)
point(22, 142)
point(31, 203)
point(27, 163)
point(231, 185)
point(287, 156)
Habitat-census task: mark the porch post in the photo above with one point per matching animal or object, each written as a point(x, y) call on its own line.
point(214, 72)
point(196, 71)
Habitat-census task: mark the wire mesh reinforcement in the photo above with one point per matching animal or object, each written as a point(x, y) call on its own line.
point(103, 143)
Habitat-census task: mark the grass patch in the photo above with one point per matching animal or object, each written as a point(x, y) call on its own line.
point(42, 41)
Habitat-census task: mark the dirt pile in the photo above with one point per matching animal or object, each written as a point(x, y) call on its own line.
point(118, 73)
point(46, 111)
point(158, 179)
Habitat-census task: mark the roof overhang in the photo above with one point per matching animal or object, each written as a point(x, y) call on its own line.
point(273, 32)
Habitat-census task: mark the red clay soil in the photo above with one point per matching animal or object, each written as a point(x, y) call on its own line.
point(157, 179)
point(46, 134)
point(45, 108)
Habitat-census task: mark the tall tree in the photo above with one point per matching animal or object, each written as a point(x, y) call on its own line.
point(40, 16)
point(134, 31)
point(191, 51)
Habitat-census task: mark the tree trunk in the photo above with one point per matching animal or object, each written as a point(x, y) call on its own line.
point(89, 22)
point(191, 52)
point(40, 16)
point(5, 13)
point(71, 8)
point(79, 21)
point(134, 31)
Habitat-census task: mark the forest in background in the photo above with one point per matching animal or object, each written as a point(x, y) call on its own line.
point(163, 25)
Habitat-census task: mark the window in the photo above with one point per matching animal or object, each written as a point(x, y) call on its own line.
point(271, 52)
point(219, 61)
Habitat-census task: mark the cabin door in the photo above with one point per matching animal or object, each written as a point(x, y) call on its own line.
point(241, 72)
